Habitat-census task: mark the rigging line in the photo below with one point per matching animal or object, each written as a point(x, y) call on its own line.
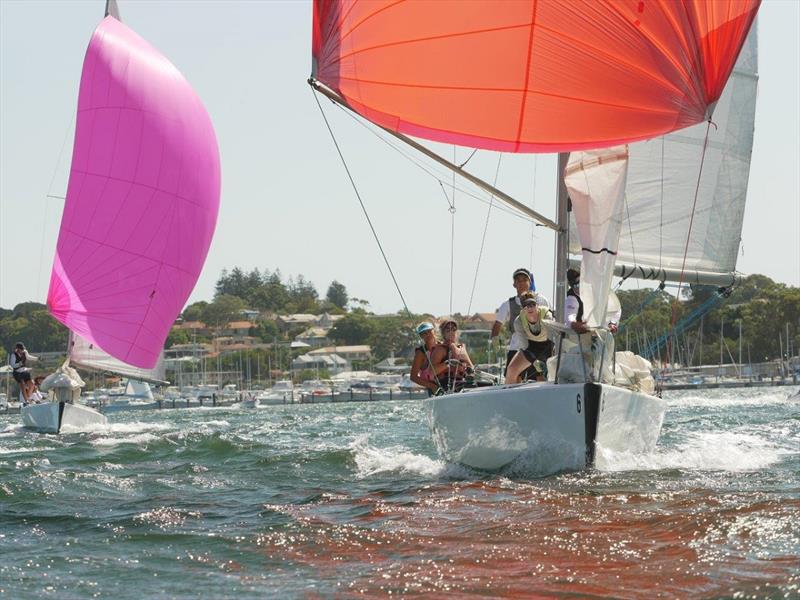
point(483, 238)
point(661, 209)
point(49, 195)
point(630, 232)
point(361, 202)
point(688, 238)
point(453, 233)
point(469, 158)
point(533, 202)
point(446, 197)
point(420, 165)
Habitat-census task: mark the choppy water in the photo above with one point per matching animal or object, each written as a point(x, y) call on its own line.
point(350, 500)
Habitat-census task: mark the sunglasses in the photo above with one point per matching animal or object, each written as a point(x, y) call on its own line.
point(449, 328)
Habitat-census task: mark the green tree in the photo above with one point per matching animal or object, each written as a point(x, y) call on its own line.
point(302, 296)
point(267, 331)
point(272, 294)
point(177, 336)
point(352, 329)
point(390, 335)
point(337, 294)
point(222, 310)
point(194, 312)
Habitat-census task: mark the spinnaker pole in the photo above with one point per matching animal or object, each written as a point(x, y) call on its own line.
point(499, 194)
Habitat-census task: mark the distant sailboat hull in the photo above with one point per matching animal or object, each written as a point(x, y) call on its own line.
point(552, 427)
point(51, 417)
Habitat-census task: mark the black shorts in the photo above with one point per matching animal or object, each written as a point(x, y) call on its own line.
point(538, 351)
point(20, 376)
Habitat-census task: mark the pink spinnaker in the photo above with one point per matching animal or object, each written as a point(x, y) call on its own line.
point(142, 199)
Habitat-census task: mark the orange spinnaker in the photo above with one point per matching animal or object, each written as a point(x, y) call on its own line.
point(530, 75)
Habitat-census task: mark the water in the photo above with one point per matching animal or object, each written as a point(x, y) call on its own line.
point(350, 500)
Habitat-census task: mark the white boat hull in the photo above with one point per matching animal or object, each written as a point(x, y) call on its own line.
point(51, 417)
point(553, 427)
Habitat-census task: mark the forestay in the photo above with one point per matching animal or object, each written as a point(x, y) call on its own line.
point(662, 181)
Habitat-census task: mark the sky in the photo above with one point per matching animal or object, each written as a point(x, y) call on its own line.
point(286, 200)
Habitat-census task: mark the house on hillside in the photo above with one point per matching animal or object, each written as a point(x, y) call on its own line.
point(193, 327)
point(314, 336)
point(362, 353)
point(392, 364)
point(237, 329)
point(333, 363)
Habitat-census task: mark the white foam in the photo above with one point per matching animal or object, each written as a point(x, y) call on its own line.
point(395, 459)
point(141, 438)
point(706, 451)
point(720, 398)
point(25, 450)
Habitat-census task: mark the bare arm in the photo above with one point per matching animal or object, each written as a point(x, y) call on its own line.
point(496, 328)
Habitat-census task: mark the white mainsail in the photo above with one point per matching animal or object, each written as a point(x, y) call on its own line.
point(83, 353)
point(662, 180)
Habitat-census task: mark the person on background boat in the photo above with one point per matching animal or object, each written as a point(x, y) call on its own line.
point(573, 306)
point(530, 326)
point(422, 367)
point(18, 360)
point(510, 309)
point(35, 396)
point(451, 362)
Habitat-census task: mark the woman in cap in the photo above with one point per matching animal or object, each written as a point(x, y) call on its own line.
point(422, 372)
point(451, 362)
point(530, 326)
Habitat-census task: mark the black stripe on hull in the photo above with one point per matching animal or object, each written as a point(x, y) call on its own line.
point(60, 416)
point(591, 413)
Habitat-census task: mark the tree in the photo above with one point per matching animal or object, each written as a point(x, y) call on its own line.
point(271, 294)
point(267, 331)
point(337, 294)
point(194, 312)
point(302, 296)
point(351, 330)
point(222, 310)
point(391, 335)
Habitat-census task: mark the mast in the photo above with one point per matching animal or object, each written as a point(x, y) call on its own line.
point(562, 237)
point(112, 10)
point(515, 204)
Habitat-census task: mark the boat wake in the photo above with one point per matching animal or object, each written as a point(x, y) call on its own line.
point(706, 451)
point(371, 461)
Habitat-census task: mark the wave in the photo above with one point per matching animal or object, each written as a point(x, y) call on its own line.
point(703, 451)
point(398, 459)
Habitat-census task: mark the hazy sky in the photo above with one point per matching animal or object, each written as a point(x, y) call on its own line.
point(286, 201)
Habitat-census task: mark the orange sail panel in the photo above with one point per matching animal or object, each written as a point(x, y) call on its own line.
point(530, 75)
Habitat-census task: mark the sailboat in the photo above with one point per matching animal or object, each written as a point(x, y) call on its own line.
point(588, 78)
point(140, 211)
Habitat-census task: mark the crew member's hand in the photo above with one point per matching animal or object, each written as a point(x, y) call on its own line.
point(612, 327)
point(579, 327)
